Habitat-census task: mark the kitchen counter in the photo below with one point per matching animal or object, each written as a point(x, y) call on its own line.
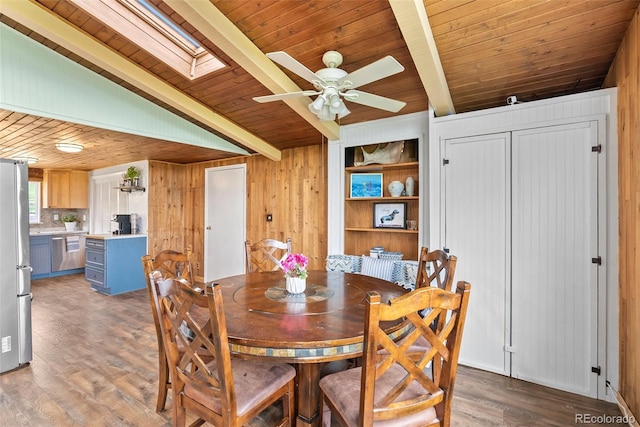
point(107, 236)
point(57, 231)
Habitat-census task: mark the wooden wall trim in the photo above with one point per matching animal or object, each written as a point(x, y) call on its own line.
point(625, 74)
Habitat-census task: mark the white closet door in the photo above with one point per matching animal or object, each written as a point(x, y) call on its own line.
point(554, 283)
point(476, 212)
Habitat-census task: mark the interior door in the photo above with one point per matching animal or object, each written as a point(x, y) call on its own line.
point(476, 220)
point(225, 214)
point(555, 231)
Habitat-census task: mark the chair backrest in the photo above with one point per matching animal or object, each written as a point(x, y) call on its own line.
point(267, 254)
point(171, 263)
point(401, 383)
point(195, 333)
point(167, 264)
point(435, 268)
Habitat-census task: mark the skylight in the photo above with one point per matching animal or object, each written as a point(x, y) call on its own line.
point(148, 27)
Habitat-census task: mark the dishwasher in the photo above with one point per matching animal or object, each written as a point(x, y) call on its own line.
point(67, 252)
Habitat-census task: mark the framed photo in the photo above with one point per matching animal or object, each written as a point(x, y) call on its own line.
point(366, 185)
point(389, 215)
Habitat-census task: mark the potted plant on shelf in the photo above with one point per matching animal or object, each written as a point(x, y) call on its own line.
point(132, 176)
point(70, 222)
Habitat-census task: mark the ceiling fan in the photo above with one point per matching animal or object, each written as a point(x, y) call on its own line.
point(334, 84)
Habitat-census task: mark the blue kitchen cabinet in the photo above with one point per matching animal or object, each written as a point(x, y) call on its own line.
point(113, 265)
point(40, 256)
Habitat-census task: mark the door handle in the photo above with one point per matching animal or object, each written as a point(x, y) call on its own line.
point(209, 228)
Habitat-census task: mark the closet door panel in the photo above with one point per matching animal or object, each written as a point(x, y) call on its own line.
point(476, 212)
point(554, 238)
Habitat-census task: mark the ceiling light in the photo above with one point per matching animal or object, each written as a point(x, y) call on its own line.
point(316, 106)
point(29, 160)
point(69, 147)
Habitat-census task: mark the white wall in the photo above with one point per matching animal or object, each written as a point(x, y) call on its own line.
point(121, 202)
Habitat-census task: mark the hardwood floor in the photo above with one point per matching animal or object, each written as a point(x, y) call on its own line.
point(95, 364)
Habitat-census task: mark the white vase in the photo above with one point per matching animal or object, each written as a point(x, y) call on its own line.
point(296, 285)
point(409, 186)
point(395, 188)
point(70, 226)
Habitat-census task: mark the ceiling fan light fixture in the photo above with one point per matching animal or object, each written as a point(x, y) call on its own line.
point(317, 105)
point(344, 112)
point(335, 108)
point(69, 147)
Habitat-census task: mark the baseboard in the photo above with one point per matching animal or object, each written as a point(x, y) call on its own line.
point(624, 408)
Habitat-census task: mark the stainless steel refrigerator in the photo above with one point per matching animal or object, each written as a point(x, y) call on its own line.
point(15, 271)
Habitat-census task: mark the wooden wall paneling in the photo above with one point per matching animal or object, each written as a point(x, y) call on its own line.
point(293, 190)
point(625, 74)
point(166, 187)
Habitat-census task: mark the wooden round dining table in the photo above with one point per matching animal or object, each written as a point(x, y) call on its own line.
point(323, 324)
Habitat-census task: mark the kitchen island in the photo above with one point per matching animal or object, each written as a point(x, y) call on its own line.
point(113, 262)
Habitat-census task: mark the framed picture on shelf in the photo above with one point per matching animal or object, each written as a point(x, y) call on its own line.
point(366, 185)
point(389, 215)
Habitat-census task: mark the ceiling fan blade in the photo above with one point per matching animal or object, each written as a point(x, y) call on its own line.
point(374, 101)
point(377, 70)
point(293, 65)
point(281, 96)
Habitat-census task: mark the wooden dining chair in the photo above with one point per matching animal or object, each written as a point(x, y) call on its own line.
point(435, 268)
point(221, 390)
point(267, 254)
point(393, 388)
point(166, 264)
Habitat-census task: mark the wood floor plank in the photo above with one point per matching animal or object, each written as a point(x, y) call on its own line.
point(95, 364)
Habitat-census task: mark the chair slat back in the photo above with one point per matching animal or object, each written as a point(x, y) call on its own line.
point(435, 268)
point(401, 383)
point(267, 254)
point(194, 335)
point(171, 263)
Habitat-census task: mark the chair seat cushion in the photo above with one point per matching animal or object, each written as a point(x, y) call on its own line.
point(342, 389)
point(254, 382)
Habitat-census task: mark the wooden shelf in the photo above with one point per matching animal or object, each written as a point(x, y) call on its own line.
point(379, 167)
point(384, 199)
point(382, 230)
point(129, 189)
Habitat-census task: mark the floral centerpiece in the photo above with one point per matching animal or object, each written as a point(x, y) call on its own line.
point(294, 267)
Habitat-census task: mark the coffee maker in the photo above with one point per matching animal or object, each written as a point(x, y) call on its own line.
point(124, 224)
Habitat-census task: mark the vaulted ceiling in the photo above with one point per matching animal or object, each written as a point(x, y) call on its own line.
point(458, 55)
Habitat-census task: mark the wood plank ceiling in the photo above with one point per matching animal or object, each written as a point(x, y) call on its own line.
point(488, 50)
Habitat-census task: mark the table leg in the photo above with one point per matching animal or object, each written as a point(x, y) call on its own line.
point(308, 398)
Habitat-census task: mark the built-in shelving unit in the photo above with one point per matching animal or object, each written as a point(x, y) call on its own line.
point(360, 233)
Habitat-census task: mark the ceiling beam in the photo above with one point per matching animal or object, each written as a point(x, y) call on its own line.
point(412, 19)
point(59, 31)
point(216, 27)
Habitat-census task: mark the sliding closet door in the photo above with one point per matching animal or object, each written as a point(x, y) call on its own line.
point(476, 220)
point(554, 238)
